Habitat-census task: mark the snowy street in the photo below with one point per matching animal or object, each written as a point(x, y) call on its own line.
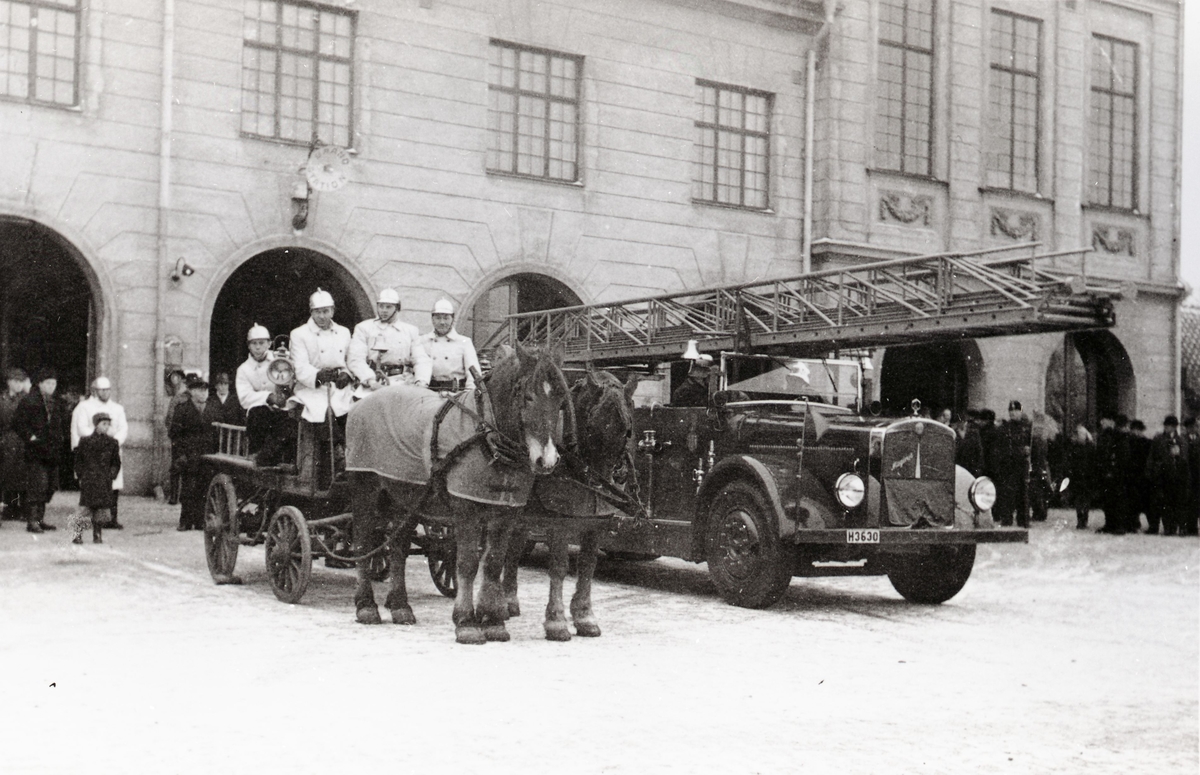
point(1075, 653)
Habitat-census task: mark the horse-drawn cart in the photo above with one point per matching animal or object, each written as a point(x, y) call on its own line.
point(297, 511)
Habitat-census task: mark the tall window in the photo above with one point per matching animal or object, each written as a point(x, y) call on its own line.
point(296, 72)
point(1112, 125)
point(533, 112)
point(733, 146)
point(39, 51)
point(904, 89)
point(1014, 114)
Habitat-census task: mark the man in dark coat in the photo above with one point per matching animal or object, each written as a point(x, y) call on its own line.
point(191, 437)
point(968, 451)
point(1193, 439)
point(41, 424)
point(1112, 463)
point(1012, 467)
point(1167, 469)
point(1081, 471)
point(97, 463)
point(988, 440)
point(223, 407)
point(1137, 484)
point(693, 391)
point(14, 478)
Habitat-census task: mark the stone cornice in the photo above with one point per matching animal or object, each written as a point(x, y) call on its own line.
point(801, 16)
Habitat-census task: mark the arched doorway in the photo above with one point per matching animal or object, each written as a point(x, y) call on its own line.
point(524, 292)
point(48, 313)
point(939, 374)
point(272, 289)
point(1093, 377)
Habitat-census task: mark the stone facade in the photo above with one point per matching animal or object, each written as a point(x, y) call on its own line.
point(130, 202)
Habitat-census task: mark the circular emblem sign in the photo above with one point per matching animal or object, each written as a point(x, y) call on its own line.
point(327, 168)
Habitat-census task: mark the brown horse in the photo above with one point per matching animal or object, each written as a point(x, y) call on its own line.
point(564, 509)
point(414, 456)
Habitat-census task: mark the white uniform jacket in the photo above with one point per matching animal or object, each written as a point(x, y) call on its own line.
point(399, 343)
point(314, 349)
point(452, 355)
point(81, 425)
point(252, 384)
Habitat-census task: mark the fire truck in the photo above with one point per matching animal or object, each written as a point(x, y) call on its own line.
point(784, 472)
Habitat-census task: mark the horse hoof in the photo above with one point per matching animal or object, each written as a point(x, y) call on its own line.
point(514, 608)
point(557, 631)
point(496, 632)
point(403, 616)
point(368, 616)
point(468, 635)
point(587, 629)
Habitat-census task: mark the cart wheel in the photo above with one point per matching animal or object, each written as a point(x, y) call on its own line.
point(441, 555)
point(221, 528)
point(289, 554)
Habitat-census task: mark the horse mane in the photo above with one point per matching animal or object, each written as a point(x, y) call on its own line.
point(593, 394)
point(512, 371)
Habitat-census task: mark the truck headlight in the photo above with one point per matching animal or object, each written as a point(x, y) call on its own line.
point(850, 490)
point(982, 493)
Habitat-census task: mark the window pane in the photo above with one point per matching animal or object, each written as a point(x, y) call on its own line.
point(532, 112)
point(732, 148)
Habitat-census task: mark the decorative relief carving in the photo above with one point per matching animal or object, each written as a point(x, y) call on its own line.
point(1016, 224)
point(905, 208)
point(1113, 240)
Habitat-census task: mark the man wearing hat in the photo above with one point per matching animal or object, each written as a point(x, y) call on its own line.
point(1167, 469)
point(693, 391)
point(268, 426)
point(452, 354)
point(191, 437)
point(386, 350)
point(97, 465)
point(1011, 461)
point(1112, 462)
point(318, 350)
point(82, 426)
point(13, 474)
point(41, 426)
point(1192, 435)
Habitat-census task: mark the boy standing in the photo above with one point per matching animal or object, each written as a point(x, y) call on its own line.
point(97, 463)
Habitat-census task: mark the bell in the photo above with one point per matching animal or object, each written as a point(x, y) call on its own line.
point(692, 353)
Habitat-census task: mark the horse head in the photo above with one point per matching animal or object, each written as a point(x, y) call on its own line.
point(530, 397)
point(604, 418)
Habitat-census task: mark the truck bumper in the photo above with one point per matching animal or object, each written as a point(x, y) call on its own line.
point(919, 537)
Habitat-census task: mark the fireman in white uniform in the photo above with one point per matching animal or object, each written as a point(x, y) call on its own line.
point(318, 350)
point(452, 354)
point(387, 347)
point(268, 427)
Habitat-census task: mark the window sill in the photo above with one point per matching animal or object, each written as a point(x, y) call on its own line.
point(535, 178)
point(1126, 211)
point(38, 104)
point(289, 143)
point(738, 208)
point(907, 175)
point(1014, 194)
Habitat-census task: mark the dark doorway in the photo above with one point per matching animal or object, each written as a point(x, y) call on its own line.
point(272, 289)
point(47, 314)
point(937, 374)
point(526, 292)
point(1088, 375)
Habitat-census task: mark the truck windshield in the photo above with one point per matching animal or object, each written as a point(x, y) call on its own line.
point(763, 377)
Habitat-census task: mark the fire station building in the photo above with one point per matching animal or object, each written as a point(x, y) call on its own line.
point(179, 170)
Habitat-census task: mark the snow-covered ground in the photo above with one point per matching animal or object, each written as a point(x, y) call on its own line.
point(1075, 654)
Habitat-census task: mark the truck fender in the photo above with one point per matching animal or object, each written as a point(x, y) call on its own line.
point(729, 469)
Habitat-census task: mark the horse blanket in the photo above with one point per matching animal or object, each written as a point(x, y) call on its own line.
point(390, 433)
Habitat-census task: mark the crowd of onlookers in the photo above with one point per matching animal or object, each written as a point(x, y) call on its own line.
point(1121, 470)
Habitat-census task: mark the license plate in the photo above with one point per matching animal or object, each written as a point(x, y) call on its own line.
point(862, 536)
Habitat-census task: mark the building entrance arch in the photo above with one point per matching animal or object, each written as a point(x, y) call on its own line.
point(272, 289)
point(1089, 374)
point(50, 305)
point(940, 374)
point(522, 292)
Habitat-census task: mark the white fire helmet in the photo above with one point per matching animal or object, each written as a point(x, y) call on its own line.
point(443, 307)
point(320, 299)
point(257, 332)
point(102, 383)
point(388, 296)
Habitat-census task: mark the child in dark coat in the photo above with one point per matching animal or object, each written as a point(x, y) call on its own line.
point(97, 463)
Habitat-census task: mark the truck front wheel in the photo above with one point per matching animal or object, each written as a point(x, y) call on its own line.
point(746, 559)
point(934, 576)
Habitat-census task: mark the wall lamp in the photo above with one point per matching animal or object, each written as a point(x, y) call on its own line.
point(182, 269)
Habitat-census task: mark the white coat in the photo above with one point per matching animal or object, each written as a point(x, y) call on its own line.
point(314, 349)
point(253, 385)
point(452, 355)
point(399, 343)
